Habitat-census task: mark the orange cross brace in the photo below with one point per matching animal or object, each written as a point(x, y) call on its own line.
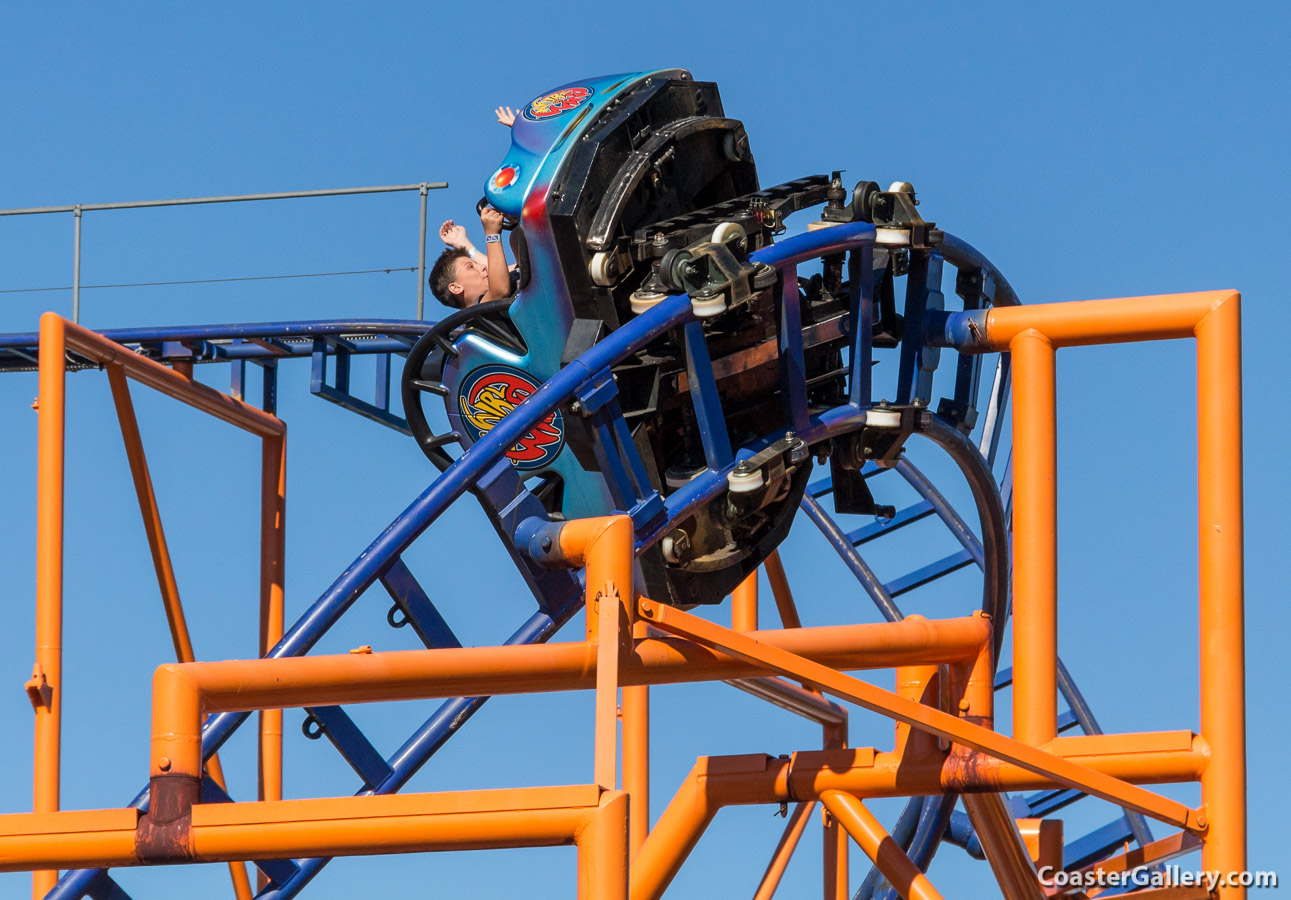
point(1062, 771)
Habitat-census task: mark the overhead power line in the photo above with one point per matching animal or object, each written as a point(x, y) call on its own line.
point(86, 287)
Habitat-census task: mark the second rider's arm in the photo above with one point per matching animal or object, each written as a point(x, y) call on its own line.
point(499, 275)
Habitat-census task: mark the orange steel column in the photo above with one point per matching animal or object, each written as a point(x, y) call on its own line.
point(605, 547)
point(1035, 543)
point(636, 755)
point(273, 513)
point(1222, 665)
point(878, 845)
point(834, 837)
point(780, 590)
point(744, 604)
point(47, 676)
point(603, 850)
point(166, 582)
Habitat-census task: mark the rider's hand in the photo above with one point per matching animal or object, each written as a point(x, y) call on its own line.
point(491, 219)
point(506, 116)
point(454, 235)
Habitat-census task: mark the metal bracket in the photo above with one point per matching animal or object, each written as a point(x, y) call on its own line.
point(339, 392)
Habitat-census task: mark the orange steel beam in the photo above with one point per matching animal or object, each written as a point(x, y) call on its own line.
point(48, 671)
point(901, 873)
point(1214, 319)
point(99, 349)
point(422, 674)
point(835, 837)
point(166, 582)
point(273, 517)
point(181, 693)
point(636, 761)
point(408, 823)
point(1005, 849)
point(1060, 770)
point(793, 830)
point(1223, 649)
point(1035, 541)
point(780, 590)
point(715, 782)
point(744, 604)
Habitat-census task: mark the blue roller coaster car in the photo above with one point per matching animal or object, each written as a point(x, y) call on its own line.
point(618, 192)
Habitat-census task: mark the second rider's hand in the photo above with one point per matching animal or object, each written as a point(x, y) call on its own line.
point(491, 219)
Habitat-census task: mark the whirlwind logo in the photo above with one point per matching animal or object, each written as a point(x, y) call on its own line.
point(551, 105)
point(490, 394)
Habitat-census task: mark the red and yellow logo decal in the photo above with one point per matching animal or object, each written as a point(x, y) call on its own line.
point(549, 106)
point(489, 394)
point(505, 177)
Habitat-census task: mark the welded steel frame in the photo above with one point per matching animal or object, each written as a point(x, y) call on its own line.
point(58, 337)
point(1108, 765)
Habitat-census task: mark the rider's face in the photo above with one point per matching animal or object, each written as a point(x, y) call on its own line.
point(472, 278)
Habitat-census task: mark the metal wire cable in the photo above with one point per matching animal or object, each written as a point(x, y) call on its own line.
point(86, 287)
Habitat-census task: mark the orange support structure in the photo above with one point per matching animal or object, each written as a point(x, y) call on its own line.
point(1213, 319)
point(57, 337)
point(944, 740)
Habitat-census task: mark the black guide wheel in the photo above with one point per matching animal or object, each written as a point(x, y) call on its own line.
point(508, 222)
point(491, 320)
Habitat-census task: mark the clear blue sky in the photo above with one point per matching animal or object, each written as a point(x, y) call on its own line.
point(1091, 150)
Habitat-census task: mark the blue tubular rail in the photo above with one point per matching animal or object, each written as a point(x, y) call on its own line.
point(246, 331)
point(451, 715)
point(466, 473)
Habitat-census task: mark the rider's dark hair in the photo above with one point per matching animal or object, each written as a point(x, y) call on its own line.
point(444, 273)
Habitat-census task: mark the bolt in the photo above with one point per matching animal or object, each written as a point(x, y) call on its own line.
point(546, 545)
point(164, 763)
point(1202, 823)
point(647, 608)
point(963, 705)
